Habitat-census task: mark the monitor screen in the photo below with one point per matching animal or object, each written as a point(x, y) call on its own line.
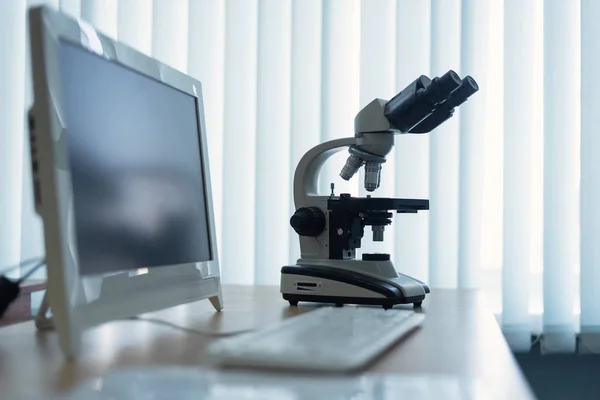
point(136, 168)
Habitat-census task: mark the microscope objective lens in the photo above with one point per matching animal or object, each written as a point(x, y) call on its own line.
point(372, 175)
point(351, 167)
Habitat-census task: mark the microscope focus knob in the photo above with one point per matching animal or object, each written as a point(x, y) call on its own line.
point(308, 221)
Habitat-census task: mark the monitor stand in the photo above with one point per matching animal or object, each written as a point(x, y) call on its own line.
point(43, 318)
point(108, 298)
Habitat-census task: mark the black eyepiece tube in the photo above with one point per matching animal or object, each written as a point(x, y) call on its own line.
point(425, 103)
point(466, 89)
point(441, 87)
point(449, 82)
point(408, 107)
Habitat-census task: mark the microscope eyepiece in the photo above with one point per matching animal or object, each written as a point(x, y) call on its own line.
point(440, 88)
point(449, 81)
point(412, 109)
point(467, 88)
point(410, 106)
point(445, 110)
point(471, 82)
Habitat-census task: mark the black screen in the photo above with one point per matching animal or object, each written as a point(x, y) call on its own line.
point(136, 170)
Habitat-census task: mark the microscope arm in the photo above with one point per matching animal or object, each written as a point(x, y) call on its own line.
point(306, 177)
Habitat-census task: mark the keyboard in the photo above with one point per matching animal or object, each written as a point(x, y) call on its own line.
point(327, 339)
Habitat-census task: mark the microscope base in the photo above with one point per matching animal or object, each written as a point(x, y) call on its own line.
point(337, 286)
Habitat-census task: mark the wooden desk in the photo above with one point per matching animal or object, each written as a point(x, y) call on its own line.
point(460, 337)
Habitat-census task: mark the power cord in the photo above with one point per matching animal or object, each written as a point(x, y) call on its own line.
point(189, 330)
point(32, 271)
point(10, 288)
point(22, 264)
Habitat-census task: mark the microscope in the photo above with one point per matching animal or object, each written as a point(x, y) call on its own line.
point(332, 227)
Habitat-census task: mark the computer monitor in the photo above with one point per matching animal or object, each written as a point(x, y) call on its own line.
point(121, 179)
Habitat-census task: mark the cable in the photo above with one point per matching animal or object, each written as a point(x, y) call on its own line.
point(10, 289)
point(32, 270)
point(189, 330)
point(535, 340)
point(22, 264)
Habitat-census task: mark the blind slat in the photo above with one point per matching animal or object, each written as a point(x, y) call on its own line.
point(273, 140)
point(590, 172)
point(340, 85)
point(71, 7)
point(411, 152)
point(474, 47)
point(12, 125)
point(561, 155)
point(305, 115)
point(443, 152)
point(206, 62)
point(377, 80)
point(239, 141)
point(518, 127)
point(102, 14)
point(170, 33)
point(134, 22)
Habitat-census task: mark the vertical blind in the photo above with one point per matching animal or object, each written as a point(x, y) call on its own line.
point(590, 178)
point(12, 125)
point(561, 165)
point(409, 176)
point(443, 153)
point(509, 177)
point(518, 127)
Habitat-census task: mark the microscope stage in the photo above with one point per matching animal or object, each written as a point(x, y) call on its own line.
point(347, 202)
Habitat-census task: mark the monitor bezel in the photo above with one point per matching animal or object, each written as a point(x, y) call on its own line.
point(80, 302)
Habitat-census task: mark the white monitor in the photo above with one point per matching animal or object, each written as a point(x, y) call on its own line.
point(121, 179)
